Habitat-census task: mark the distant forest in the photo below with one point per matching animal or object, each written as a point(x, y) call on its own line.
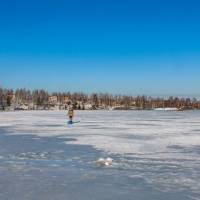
point(44, 100)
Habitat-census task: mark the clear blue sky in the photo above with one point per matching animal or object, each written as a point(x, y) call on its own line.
point(118, 46)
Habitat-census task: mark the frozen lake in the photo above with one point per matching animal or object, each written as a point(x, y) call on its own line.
point(156, 155)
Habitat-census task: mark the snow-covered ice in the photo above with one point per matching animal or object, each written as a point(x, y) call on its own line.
point(119, 132)
point(160, 150)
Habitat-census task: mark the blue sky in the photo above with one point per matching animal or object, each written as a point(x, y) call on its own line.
point(130, 47)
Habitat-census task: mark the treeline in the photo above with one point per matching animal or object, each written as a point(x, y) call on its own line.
point(23, 96)
point(42, 98)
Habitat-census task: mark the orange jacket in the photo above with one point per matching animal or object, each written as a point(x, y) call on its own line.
point(70, 113)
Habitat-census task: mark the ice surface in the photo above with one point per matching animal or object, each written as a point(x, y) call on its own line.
point(156, 149)
point(129, 132)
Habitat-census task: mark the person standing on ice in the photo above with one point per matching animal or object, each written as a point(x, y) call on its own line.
point(70, 114)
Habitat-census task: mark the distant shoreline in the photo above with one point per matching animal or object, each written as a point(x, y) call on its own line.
point(109, 110)
point(24, 99)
